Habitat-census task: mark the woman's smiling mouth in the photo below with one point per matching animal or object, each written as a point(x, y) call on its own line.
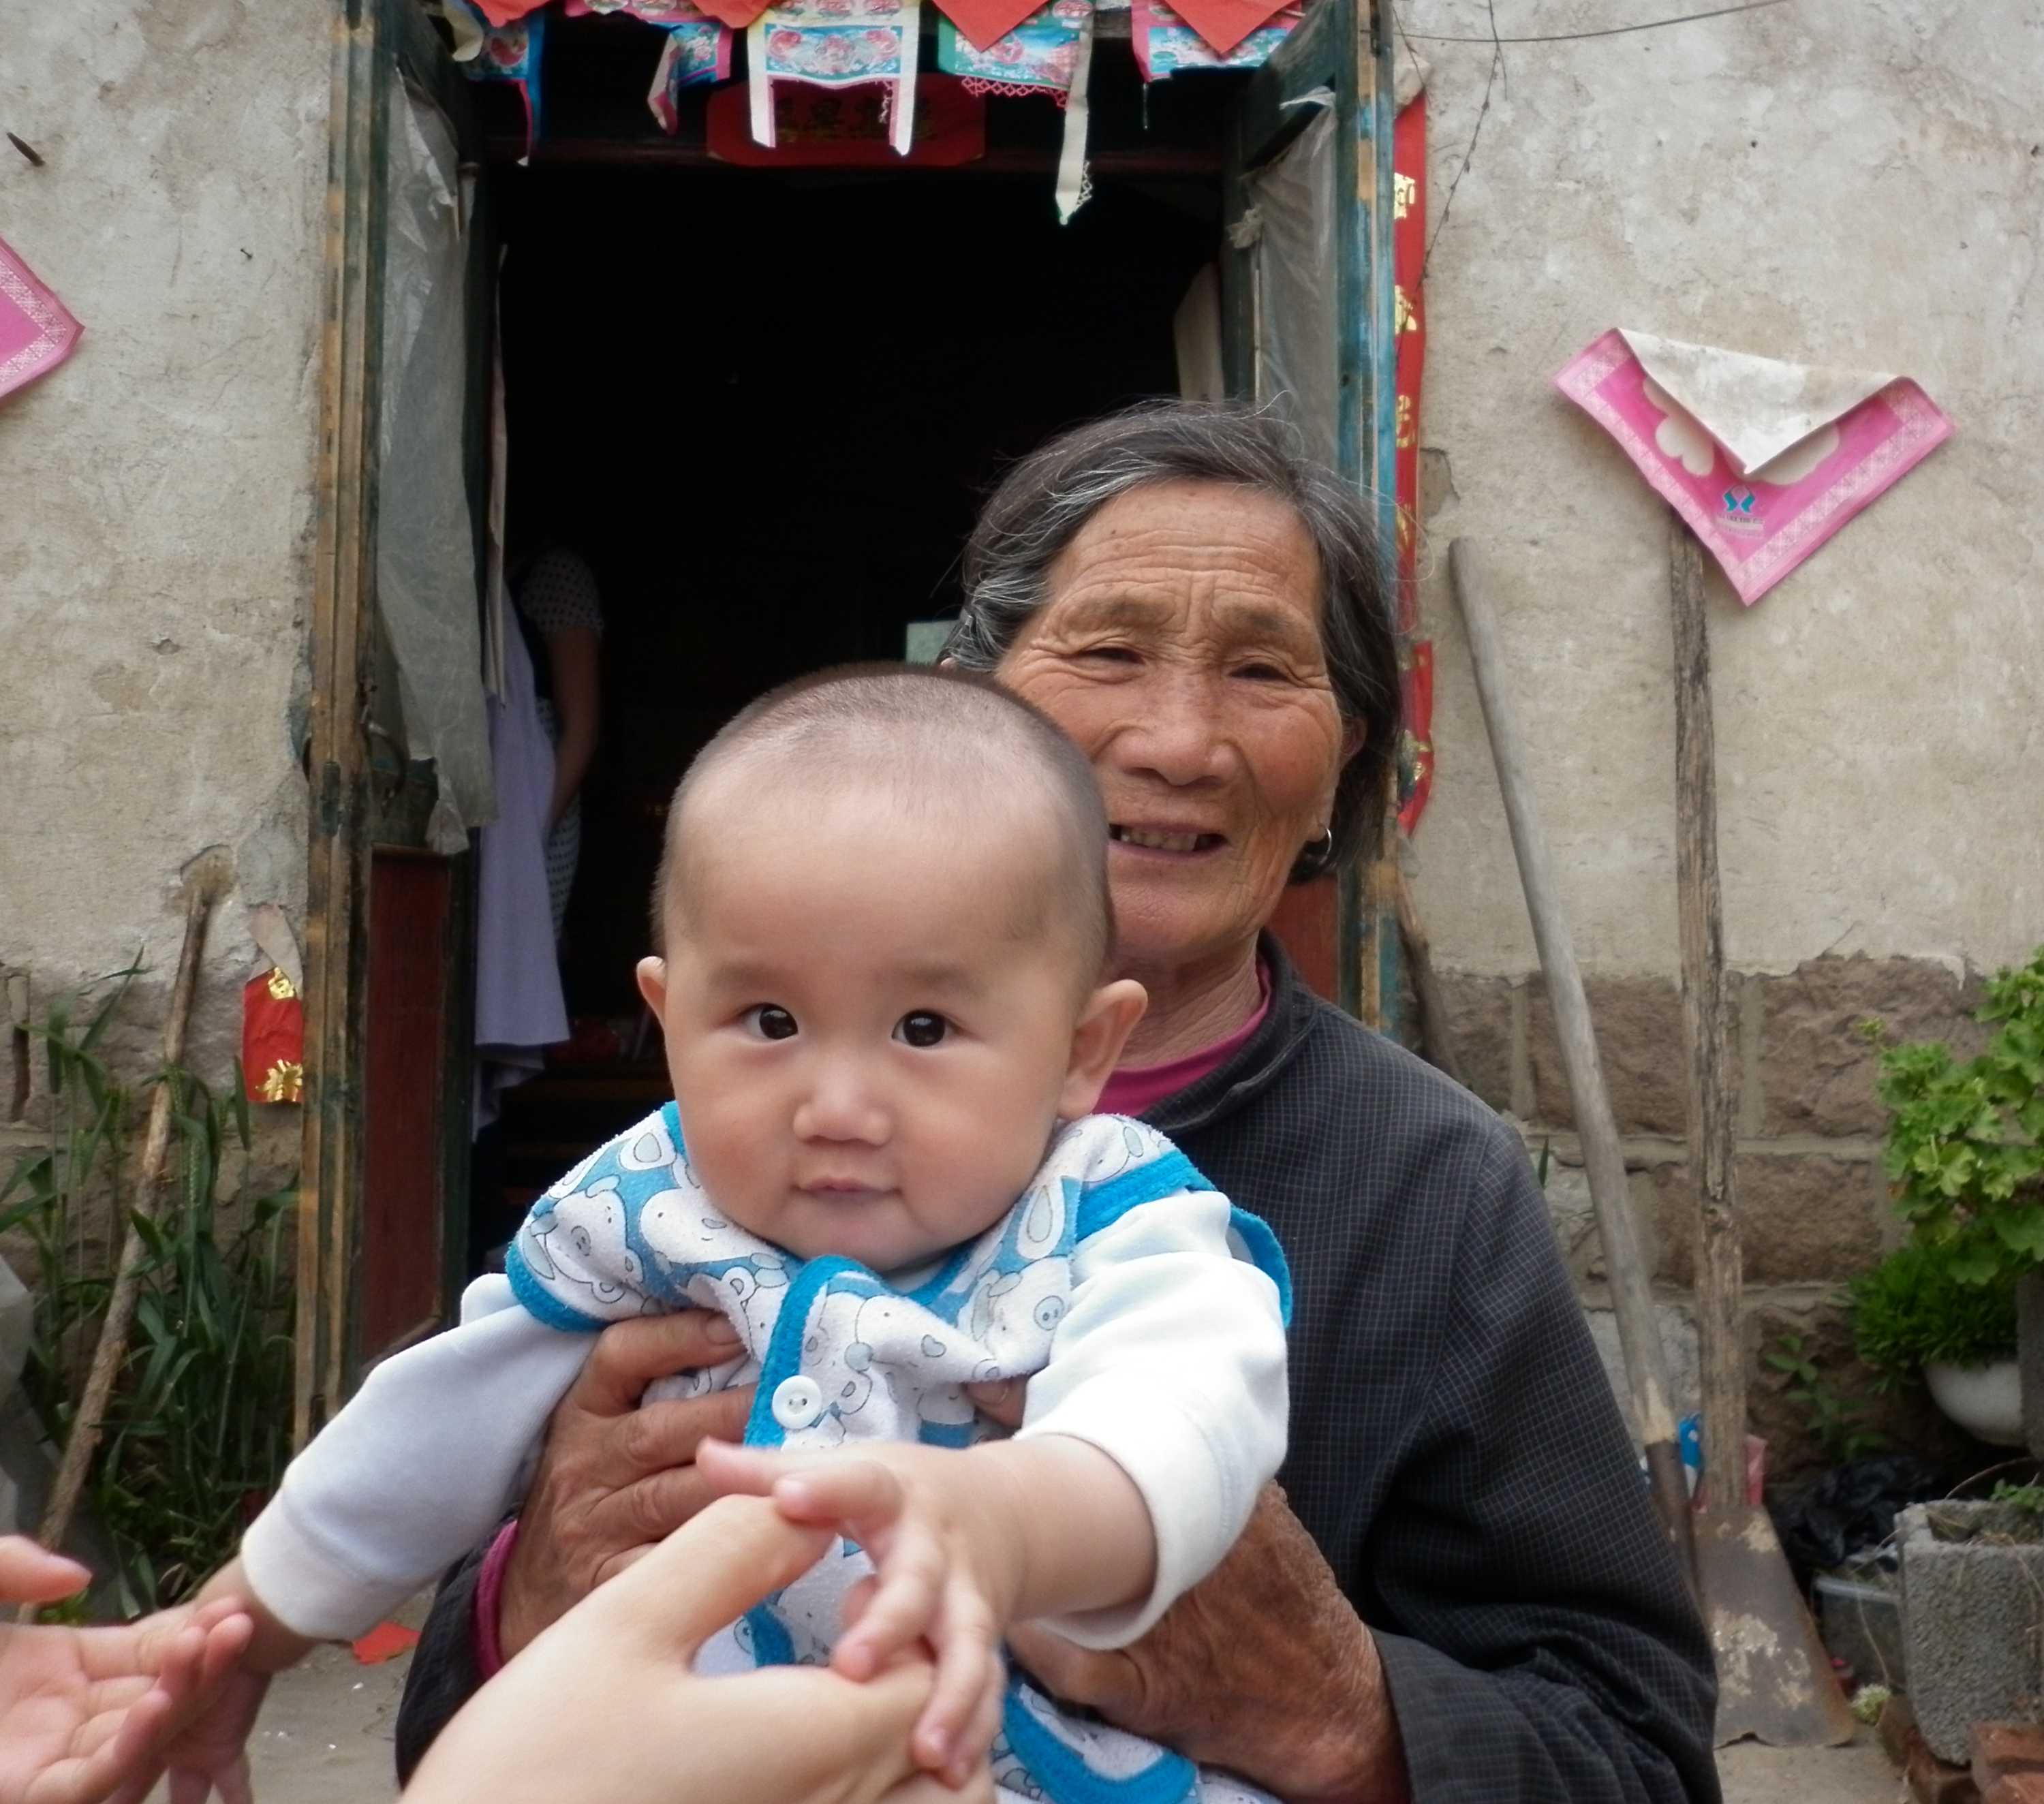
point(1156, 840)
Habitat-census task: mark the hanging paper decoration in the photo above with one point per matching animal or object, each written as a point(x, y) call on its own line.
point(1167, 41)
point(823, 127)
point(513, 53)
point(1038, 56)
point(273, 1038)
point(1408, 258)
point(37, 334)
point(698, 51)
point(836, 43)
point(1764, 460)
point(498, 14)
point(985, 22)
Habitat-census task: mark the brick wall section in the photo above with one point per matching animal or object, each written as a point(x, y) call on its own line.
point(1813, 1199)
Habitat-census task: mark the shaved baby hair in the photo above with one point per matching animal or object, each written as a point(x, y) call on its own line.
point(925, 737)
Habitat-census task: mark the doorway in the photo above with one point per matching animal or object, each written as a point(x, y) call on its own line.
point(764, 407)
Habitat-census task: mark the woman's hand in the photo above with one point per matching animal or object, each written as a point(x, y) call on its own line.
point(603, 1706)
point(82, 1711)
point(1262, 1668)
point(614, 1479)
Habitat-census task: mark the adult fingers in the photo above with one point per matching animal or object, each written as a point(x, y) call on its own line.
point(31, 1573)
point(629, 1355)
point(663, 1435)
point(1003, 1403)
point(709, 1573)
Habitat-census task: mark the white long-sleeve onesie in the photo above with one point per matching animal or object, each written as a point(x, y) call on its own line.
point(1147, 1312)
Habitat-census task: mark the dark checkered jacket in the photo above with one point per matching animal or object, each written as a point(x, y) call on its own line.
point(1455, 1450)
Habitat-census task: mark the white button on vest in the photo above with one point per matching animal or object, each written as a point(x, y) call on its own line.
point(797, 1402)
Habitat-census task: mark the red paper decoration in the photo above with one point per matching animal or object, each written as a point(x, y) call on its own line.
point(273, 1039)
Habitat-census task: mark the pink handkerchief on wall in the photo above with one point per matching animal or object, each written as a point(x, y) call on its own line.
point(37, 334)
point(1764, 460)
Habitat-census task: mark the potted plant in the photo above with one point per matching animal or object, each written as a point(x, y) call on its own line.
point(1966, 1152)
point(1911, 1315)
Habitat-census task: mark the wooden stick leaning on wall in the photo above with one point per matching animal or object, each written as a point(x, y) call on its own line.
point(206, 880)
point(1706, 1023)
point(1632, 1302)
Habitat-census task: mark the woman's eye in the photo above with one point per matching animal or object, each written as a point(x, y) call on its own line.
point(771, 1022)
point(1260, 672)
point(1110, 654)
point(922, 1029)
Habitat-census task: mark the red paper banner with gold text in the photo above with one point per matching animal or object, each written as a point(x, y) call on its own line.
point(1408, 246)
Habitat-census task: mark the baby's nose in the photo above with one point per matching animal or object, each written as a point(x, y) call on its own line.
point(841, 1106)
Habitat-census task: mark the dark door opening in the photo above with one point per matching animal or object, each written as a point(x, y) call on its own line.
point(764, 407)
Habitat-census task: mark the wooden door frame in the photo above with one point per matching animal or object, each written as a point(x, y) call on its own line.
point(1343, 47)
point(372, 40)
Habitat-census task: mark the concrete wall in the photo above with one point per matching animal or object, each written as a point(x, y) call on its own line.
point(1854, 185)
point(156, 514)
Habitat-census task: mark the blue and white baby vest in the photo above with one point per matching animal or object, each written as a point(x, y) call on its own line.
point(841, 1355)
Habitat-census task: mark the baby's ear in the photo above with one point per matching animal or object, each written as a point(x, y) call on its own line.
point(1109, 1018)
point(652, 975)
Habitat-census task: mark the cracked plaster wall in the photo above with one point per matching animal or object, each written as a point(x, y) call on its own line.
point(1857, 185)
point(156, 511)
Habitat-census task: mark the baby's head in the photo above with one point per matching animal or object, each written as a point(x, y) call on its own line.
point(883, 915)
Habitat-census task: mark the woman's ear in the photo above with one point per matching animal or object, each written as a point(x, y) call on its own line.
point(653, 976)
point(1103, 1026)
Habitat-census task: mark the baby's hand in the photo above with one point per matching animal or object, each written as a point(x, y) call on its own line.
point(949, 1558)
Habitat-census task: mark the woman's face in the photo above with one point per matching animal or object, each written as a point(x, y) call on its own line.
point(1181, 647)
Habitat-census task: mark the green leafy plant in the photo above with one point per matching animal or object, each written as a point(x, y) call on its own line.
point(1912, 1309)
point(2027, 1498)
point(1965, 1140)
point(1837, 1423)
point(198, 1430)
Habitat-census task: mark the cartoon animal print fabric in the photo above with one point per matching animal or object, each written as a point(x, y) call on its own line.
point(841, 1355)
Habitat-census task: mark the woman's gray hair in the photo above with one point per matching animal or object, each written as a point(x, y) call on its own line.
point(1046, 499)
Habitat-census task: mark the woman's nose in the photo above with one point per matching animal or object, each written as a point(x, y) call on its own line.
point(1173, 733)
point(840, 1105)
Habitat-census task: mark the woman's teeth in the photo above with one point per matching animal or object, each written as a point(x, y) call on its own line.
point(1161, 842)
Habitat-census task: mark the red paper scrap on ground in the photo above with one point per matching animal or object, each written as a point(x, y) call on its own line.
point(1408, 248)
point(842, 128)
point(386, 1641)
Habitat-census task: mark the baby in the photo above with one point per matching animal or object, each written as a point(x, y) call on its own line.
point(885, 926)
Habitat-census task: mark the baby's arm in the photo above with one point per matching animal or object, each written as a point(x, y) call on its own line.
point(965, 1542)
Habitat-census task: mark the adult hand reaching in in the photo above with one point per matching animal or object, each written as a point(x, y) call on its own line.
point(615, 1479)
point(603, 1706)
point(83, 1711)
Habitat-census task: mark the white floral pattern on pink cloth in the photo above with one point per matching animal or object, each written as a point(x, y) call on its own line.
point(37, 331)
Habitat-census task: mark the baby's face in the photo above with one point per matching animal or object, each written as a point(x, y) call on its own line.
point(867, 1059)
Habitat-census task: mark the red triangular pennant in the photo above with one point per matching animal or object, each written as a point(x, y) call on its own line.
point(985, 22)
point(1225, 23)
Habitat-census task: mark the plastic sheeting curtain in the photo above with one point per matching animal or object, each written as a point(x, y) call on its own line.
point(426, 590)
point(1297, 369)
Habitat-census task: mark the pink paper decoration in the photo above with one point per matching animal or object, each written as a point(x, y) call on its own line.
point(1757, 530)
point(36, 333)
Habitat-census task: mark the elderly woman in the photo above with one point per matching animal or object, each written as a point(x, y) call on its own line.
point(1458, 1592)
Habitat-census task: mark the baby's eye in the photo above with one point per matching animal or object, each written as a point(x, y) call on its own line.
point(771, 1022)
point(922, 1029)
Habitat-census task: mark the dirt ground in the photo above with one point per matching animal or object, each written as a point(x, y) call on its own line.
point(325, 1739)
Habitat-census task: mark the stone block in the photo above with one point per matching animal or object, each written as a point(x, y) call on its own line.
point(1817, 1066)
point(1802, 1217)
point(1973, 1616)
point(1639, 1022)
point(1573, 1215)
point(1479, 1030)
